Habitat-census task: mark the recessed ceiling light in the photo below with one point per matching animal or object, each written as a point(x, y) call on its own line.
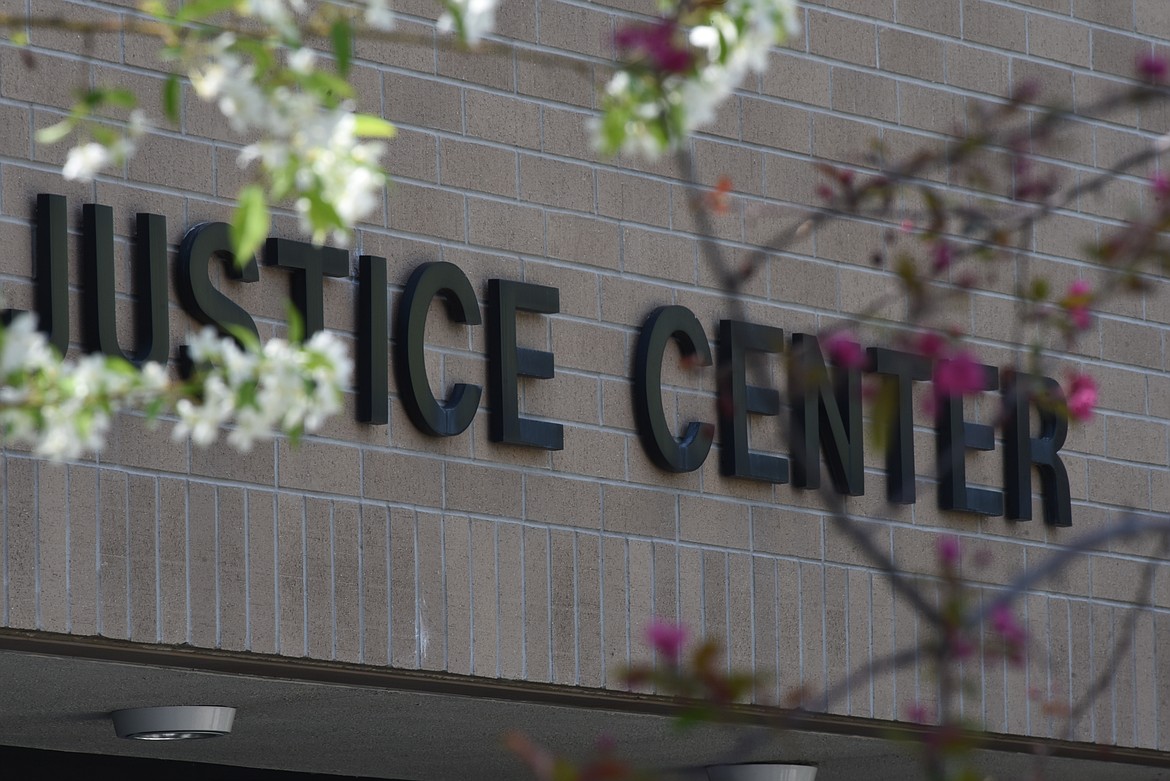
point(762, 772)
point(182, 722)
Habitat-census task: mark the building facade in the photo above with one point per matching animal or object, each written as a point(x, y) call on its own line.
point(407, 597)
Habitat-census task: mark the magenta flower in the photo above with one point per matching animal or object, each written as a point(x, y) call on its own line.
point(844, 350)
point(1004, 622)
point(1160, 184)
point(666, 637)
point(957, 376)
point(948, 551)
point(918, 713)
point(943, 256)
point(660, 43)
point(930, 345)
point(1076, 302)
point(1153, 67)
point(1082, 397)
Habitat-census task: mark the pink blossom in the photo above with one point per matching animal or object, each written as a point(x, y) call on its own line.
point(948, 551)
point(844, 350)
point(918, 713)
point(1160, 184)
point(957, 376)
point(1076, 302)
point(1004, 623)
point(666, 637)
point(661, 43)
point(943, 255)
point(1153, 67)
point(930, 345)
point(1082, 397)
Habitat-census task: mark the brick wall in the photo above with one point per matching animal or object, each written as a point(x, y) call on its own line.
point(380, 545)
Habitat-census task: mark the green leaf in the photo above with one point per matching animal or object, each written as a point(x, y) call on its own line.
point(122, 98)
point(19, 38)
point(370, 126)
point(201, 9)
point(342, 37)
point(250, 223)
point(172, 94)
point(54, 133)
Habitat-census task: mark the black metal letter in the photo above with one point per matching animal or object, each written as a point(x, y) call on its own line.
point(310, 265)
point(150, 285)
point(737, 399)
point(899, 370)
point(199, 297)
point(51, 260)
point(506, 362)
point(428, 281)
point(674, 455)
point(372, 321)
point(824, 413)
point(1022, 451)
point(954, 436)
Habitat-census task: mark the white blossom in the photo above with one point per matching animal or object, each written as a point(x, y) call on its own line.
point(474, 18)
point(378, 15)
point(83, 162)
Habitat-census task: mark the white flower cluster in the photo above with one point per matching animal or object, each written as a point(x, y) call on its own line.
point(472, 19)
point(280, 15)
point(290, 388)
point(730, 40)
point(63, 408)
point(85, 161)
point(312, 148)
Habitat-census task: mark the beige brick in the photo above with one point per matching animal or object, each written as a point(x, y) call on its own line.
point(910, 54)
point(576, 29)
point(936, 110)
point(1150, 18)
point(589, 638)
point(423, 102)
point(504, 119)
point(413, 155)
point(477, 167)
point(978, 69)
point(841, 38)
point(1131, 343)
point(202, 572)
point(1119, 484)
point(485, 593)
point(510, 587)
point(562, 501)
point(615, 619)
point(1056, 39)
point(261, 571)
point(493, 70)
point(1131, 439)
point(639, 511)
point(456, 570)
point(795, 78)
point(660, 255)
point(589, 348)
point(778, 126)
point(1115, 53)
point(632, 198)
point(505, 226)
point(173, 162)
point(51, 80)
point(859, 92)
point(482, 489)
point(555, 183)
point(563, 607)
point(537, 607)
point(840, 139)
point(412, 619)
point(579, 239)
point(563, 82)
